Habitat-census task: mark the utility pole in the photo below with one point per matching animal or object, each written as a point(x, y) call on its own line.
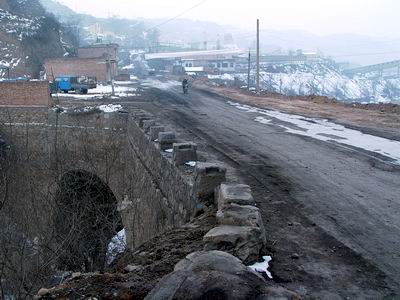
point(258, 56)
point(110, 73)
point(112, 78)
point(248, 71)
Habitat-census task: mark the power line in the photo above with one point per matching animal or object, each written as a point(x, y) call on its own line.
point(177, 16)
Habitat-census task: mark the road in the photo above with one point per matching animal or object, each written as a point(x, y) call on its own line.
point(335, 187)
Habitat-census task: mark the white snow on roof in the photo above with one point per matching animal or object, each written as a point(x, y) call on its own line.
point(194, 69)
point(188, 54)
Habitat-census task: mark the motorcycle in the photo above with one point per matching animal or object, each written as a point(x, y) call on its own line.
point(185, 88)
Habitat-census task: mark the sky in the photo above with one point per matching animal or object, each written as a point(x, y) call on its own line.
point(322, 17)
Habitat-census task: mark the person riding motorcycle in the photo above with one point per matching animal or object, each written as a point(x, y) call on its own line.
point(185, 85)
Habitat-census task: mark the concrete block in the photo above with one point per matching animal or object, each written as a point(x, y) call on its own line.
point(147, 124)
point(154, 131)
point(166, 139)
point(234, 193)
point(208, 176)
point(142, 119)
point(139, 114)
point(241, 215)
point(184, 152)
point(244, 242)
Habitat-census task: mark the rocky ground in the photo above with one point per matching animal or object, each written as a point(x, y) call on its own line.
point(136, 273)
point(172, 266)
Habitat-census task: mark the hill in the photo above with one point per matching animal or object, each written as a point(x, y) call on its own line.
point(28, 35)
point(353, 48)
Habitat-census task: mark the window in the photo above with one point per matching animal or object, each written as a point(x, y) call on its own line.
point(225, 65)
point(232, 65)
point(218, 65)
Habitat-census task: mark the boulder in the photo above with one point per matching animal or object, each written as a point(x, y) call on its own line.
point(244, 242)
point(234, 193)
point(216, 275)
point(214, 260)
point(209, 275)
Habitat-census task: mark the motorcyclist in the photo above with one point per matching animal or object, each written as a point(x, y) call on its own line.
point(185, 85)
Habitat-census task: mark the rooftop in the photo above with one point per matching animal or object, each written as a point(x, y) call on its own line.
point(100, 46)
point(194, 54)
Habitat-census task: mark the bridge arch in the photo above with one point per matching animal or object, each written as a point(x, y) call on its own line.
point(86, 219)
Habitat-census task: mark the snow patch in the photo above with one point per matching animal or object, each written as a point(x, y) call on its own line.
point(262, 267)
point(324, 130)
point(324, 79)
point(191, 163)
point(102, 91)
point(162, 85)
point(109, 108)
point(116, 246)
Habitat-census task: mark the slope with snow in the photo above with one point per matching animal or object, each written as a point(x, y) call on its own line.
point(323, 79)
point(27, 36)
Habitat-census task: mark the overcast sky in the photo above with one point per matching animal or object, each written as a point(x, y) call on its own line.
point(323, 17)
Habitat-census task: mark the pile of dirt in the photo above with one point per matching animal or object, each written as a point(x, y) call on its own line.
point(137, 272)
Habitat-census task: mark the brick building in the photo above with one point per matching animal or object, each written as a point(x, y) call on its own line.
point(98, 61)
point(99, 51)
point(25, 93)
point(75, 66)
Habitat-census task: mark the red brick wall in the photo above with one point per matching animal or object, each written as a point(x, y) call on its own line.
point(77, 67)
point(25, 93)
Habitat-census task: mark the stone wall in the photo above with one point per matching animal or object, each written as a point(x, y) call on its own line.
point(25, 93)
point(153, 194)
point(160, 194)
point(155, 190)
point(41, 153)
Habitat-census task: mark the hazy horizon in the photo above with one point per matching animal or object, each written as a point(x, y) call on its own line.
point(368, 17)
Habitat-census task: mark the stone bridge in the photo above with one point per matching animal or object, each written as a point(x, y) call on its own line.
point(72, 179)
point(153, 194)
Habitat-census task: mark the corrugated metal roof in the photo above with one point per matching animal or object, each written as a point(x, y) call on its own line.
point(194, 54)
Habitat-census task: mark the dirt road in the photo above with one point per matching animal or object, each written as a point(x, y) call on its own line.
point(331, 209)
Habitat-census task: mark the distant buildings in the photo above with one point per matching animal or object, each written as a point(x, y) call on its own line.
point(299, 57)
point(99, 61)
point(208, 61)
point(221, 61)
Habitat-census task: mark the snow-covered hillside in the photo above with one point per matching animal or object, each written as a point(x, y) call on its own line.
point(27, 36)
point(13, 29)
point(323, 79)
